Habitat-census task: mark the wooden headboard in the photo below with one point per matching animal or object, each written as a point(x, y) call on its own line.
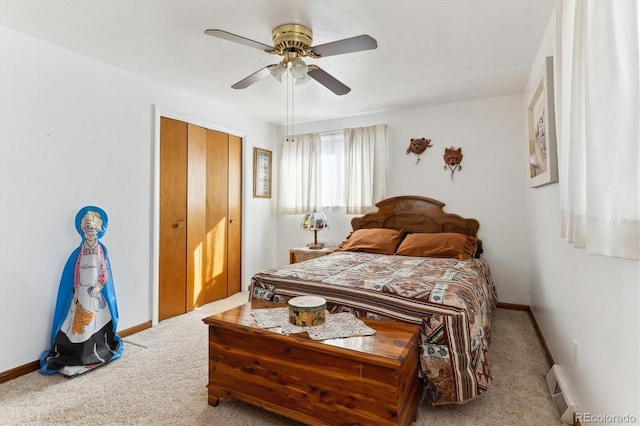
point(415, 214)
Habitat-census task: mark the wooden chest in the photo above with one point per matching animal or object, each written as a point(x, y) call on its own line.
point(370, 380)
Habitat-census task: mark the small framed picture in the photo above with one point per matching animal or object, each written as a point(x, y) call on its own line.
point(261, 173)
point(543, 155)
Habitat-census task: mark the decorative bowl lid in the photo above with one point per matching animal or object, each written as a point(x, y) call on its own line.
point(307, 301)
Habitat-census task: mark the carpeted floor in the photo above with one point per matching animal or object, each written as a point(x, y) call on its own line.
point(161, 379)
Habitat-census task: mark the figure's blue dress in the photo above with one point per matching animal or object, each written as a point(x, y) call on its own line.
point(84, 326)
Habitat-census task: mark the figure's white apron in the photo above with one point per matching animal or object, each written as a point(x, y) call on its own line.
point(89, 271)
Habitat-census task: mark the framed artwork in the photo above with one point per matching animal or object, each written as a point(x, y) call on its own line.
point(543, 155)
point(261, 173)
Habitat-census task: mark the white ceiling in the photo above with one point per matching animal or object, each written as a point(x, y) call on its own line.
point(429, 51)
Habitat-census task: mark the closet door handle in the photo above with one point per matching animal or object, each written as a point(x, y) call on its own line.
point(231, 220)
point(180, 224)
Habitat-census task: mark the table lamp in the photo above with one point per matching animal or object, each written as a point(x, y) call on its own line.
point(314, 221)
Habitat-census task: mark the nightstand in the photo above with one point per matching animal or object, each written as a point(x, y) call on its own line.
point(305, 253)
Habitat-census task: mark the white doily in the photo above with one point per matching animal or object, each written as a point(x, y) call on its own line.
point(335, 326)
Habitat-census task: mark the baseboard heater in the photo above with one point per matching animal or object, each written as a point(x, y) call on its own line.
point(562, 399)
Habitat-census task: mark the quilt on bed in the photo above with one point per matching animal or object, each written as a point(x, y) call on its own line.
point(451, 299)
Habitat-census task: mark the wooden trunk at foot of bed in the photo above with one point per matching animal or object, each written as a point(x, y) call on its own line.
point(369, 380)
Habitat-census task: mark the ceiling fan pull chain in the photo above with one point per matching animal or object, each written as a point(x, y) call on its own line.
point(287, 99)
point(292, 110)
point(289, 134)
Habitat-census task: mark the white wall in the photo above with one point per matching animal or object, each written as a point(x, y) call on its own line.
point(75, 132)
point(490, 187)
point(593, 300)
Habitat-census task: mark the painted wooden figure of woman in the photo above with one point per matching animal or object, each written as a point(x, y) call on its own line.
point(83, 335)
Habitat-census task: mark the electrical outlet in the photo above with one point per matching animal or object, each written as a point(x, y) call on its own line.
point(575, 353)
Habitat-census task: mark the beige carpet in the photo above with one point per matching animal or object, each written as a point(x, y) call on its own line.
point(161, 379)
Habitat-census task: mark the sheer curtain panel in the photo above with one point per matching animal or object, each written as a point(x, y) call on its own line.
point(300, 174)
point(597, 84)
point(366, 167)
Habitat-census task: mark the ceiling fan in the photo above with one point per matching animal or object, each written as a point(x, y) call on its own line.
point(294, 42)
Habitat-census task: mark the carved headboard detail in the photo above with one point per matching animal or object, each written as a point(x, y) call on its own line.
point(415, 214)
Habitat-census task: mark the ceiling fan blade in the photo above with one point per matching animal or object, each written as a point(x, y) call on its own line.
point(238, 39)
point(328, 81)
point(254, 78)
point(347, 45)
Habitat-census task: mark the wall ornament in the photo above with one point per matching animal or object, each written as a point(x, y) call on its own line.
point(418, 147)
point(452, 160)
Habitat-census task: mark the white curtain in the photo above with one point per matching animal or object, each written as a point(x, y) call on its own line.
point(300, 174)
point(597, 80)
point(366, 167)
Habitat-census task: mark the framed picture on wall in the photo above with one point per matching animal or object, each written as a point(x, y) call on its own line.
point(543, 155)
point(261, 173)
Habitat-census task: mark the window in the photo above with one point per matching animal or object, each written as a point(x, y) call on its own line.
point(332, 170)
point(345, 169)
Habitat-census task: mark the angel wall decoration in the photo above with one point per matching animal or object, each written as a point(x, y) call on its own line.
point(419, 146)
point(452, 159)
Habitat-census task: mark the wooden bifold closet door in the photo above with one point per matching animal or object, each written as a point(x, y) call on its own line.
point(200, 216)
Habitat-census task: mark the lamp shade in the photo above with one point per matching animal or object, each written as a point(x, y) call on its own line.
point(302, 80)
point(278, 71)
point(298, 68)
point(314, 221)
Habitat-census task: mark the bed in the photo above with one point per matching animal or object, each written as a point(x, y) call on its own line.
point(413, 262)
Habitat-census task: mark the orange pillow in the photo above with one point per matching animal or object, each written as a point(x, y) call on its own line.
point(446, 244)
point(374, 240)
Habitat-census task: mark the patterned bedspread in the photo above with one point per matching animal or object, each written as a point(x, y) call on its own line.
point(451, 299)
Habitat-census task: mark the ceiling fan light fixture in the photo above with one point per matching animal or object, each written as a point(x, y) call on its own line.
point(277, 71)
point(302, 80)
point(298, 68)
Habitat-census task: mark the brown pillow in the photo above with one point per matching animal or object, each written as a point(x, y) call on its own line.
point(446, 244)
point(374, 240)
